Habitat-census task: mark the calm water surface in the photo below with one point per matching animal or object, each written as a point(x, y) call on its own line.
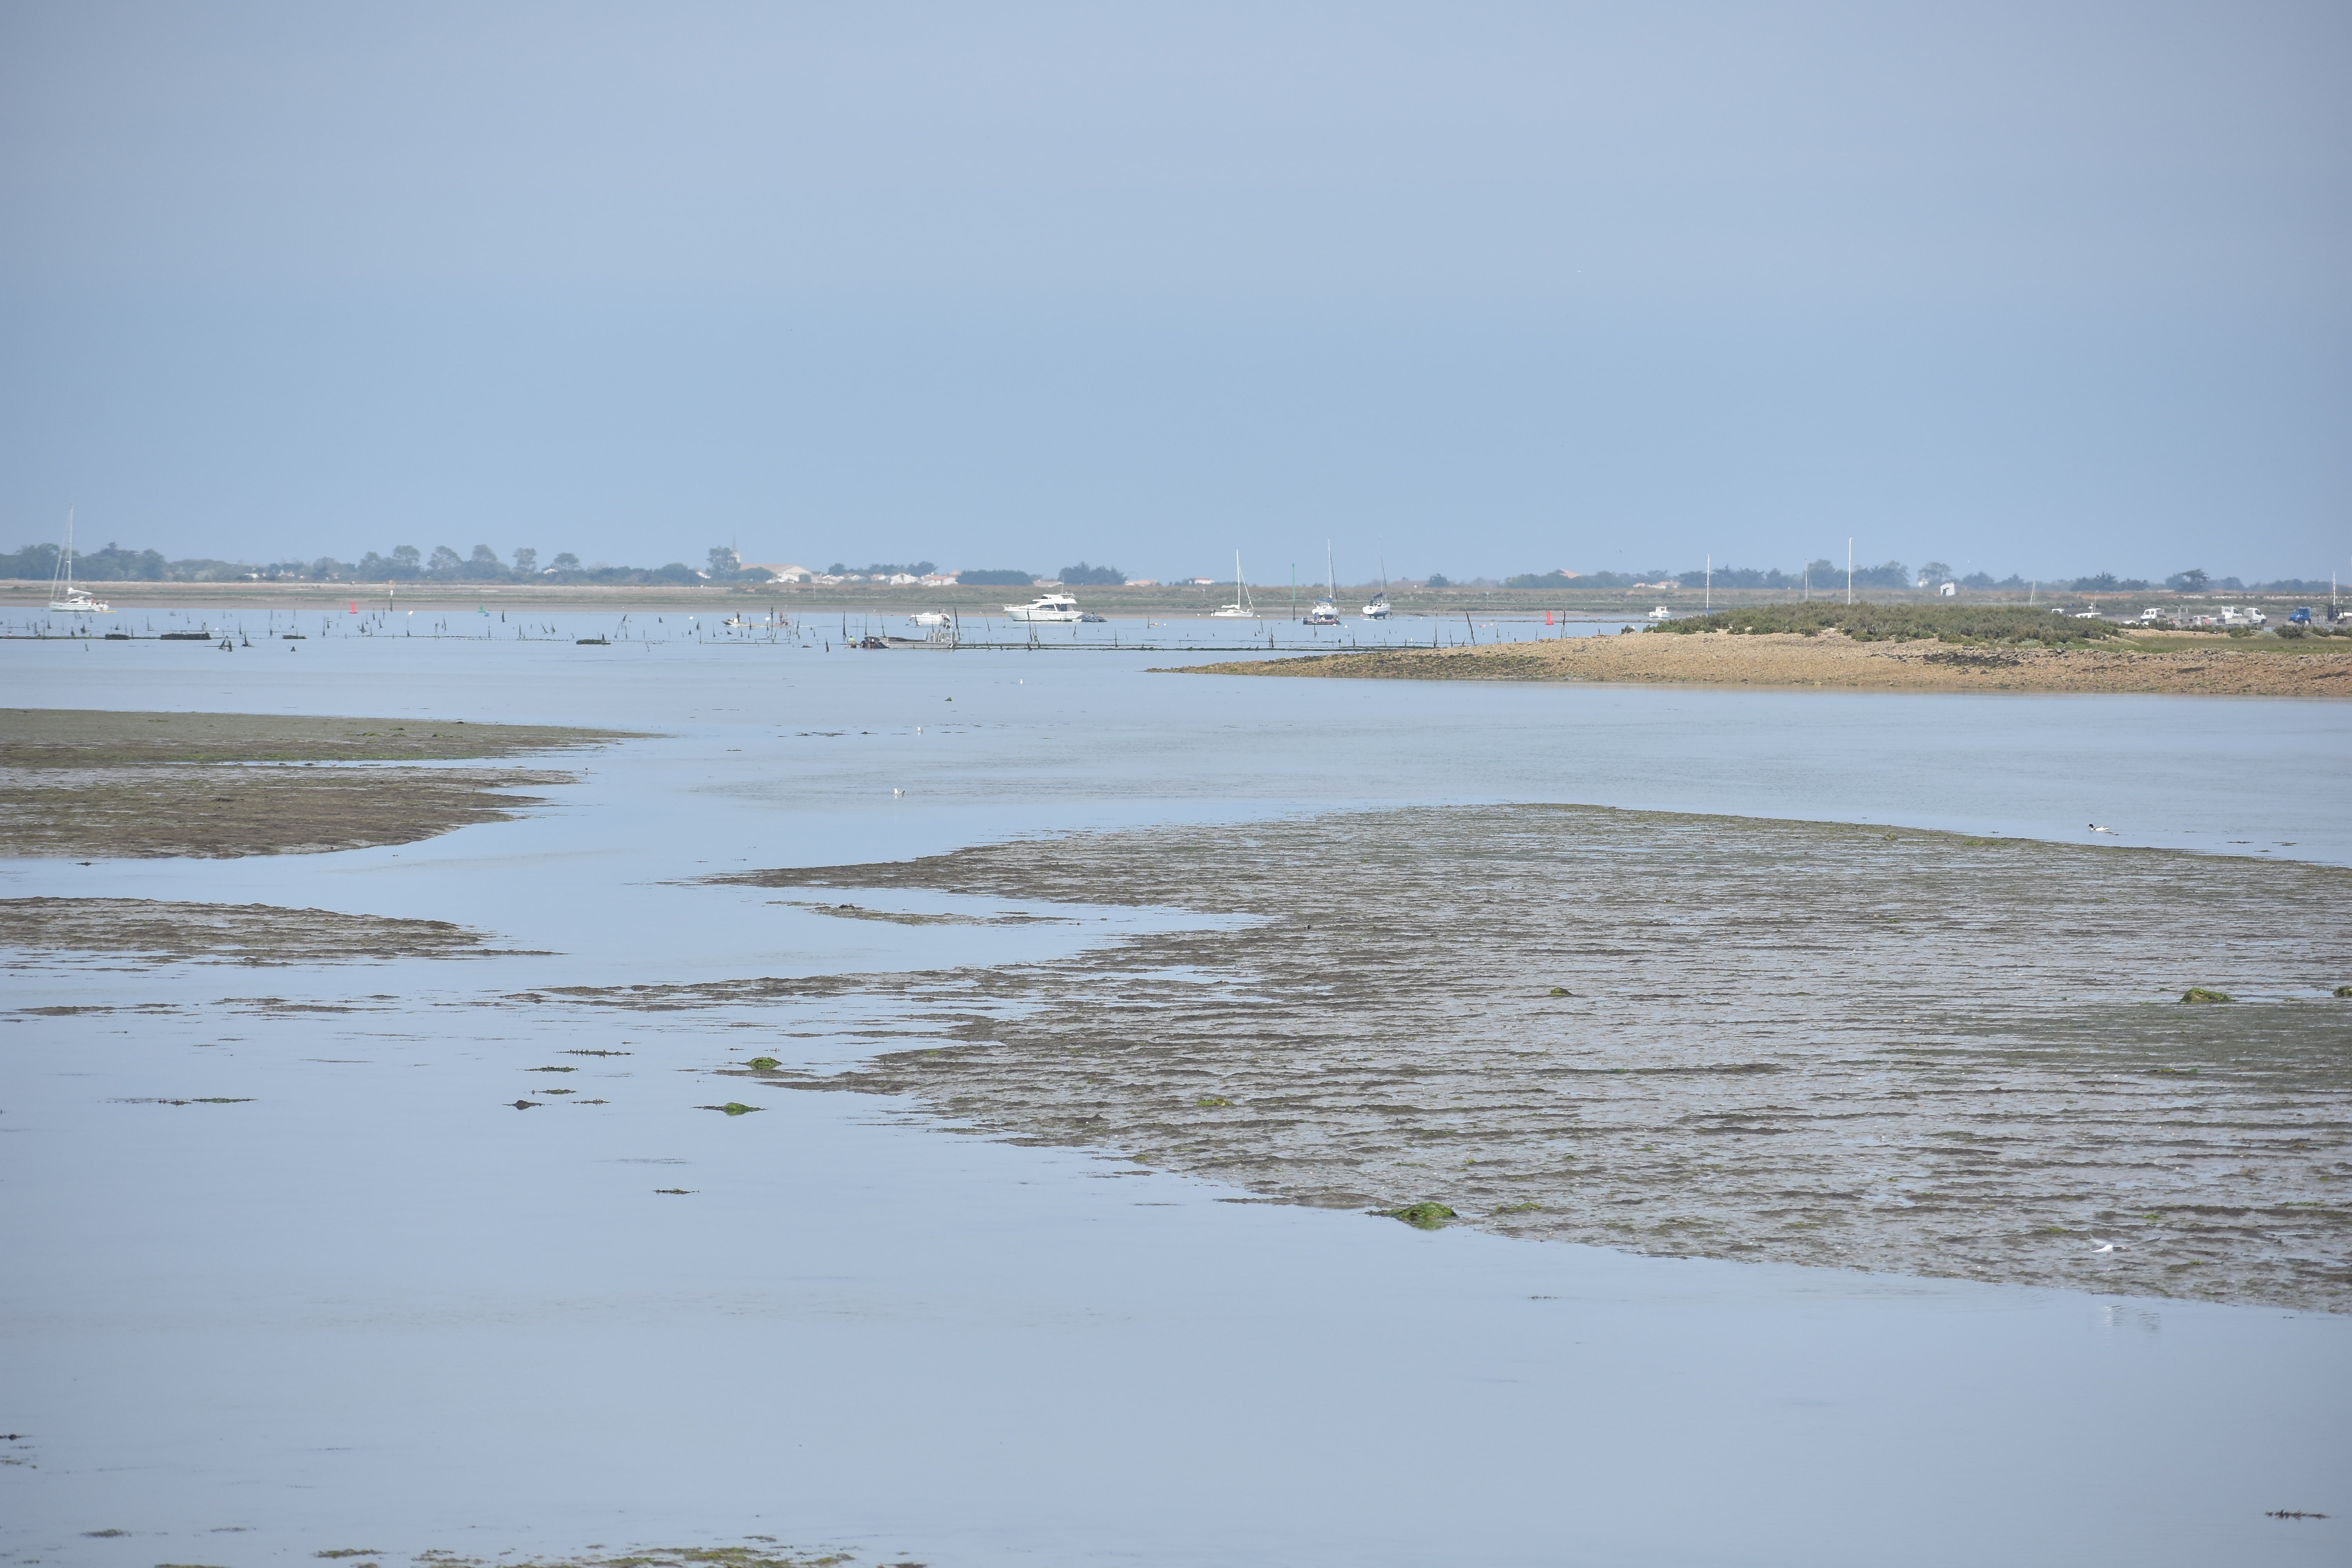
point(376, 1306)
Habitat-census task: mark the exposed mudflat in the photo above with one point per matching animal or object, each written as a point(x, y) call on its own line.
point(137, 811)
point(1829, 1044)
point(89, 783)
point(2213, 666)
point(93, 737)
point(34, 931)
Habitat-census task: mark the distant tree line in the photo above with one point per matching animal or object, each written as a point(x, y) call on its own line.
point(1821, 575)
point(405, 564)
point(882, 569)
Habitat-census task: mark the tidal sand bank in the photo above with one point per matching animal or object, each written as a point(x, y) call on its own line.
point(2214, 666)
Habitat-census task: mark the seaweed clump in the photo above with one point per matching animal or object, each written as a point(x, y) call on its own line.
point(2200, 993)
point(1422, 1216)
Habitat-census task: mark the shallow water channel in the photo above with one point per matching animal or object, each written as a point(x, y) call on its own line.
point(290, 1272)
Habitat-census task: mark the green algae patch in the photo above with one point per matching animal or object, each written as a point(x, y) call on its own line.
point(763, 1064)
point(1422, 1216)
point(733, 1108)
point(2199, 994)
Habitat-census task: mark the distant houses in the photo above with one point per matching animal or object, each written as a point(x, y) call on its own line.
point(787, 572)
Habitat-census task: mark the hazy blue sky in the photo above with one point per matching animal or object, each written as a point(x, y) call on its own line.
point(2039, 287)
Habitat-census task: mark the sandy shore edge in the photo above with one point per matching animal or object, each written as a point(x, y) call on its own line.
point(2227, 667)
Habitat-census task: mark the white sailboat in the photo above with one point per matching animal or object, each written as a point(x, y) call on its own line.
point(1326, 612)
point(64, 597)
point(1240, 608)
point(1376, 608)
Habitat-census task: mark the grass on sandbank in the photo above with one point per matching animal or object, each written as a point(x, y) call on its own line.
point(1903, 623)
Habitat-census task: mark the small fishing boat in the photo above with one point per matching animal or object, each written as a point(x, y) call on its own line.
point(1055, 607)
point(1240, 608)
point(64, 597)
point(931, 618)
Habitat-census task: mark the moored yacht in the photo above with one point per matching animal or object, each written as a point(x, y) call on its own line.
point(1240, 608)
point(64, 597)
point(1326, 612)
point(1377, 607)
point(1046, 607)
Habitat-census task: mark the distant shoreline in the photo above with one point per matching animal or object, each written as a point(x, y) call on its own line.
point(1171, 599)
point(2183, 664)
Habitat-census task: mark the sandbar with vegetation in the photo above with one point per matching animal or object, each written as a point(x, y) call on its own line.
point(1866, 647)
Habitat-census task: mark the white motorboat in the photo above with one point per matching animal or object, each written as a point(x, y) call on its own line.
point(1057, 607)
point(930, 618)
point(1661, 613)
point(64, 597)
point(1240, 608)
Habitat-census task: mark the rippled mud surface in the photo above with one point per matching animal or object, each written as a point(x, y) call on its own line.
point(766, 1554)
point(223, 813)
point(93, 737)
point(37, 932)
point(81, 784)
point(1680, 1035)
